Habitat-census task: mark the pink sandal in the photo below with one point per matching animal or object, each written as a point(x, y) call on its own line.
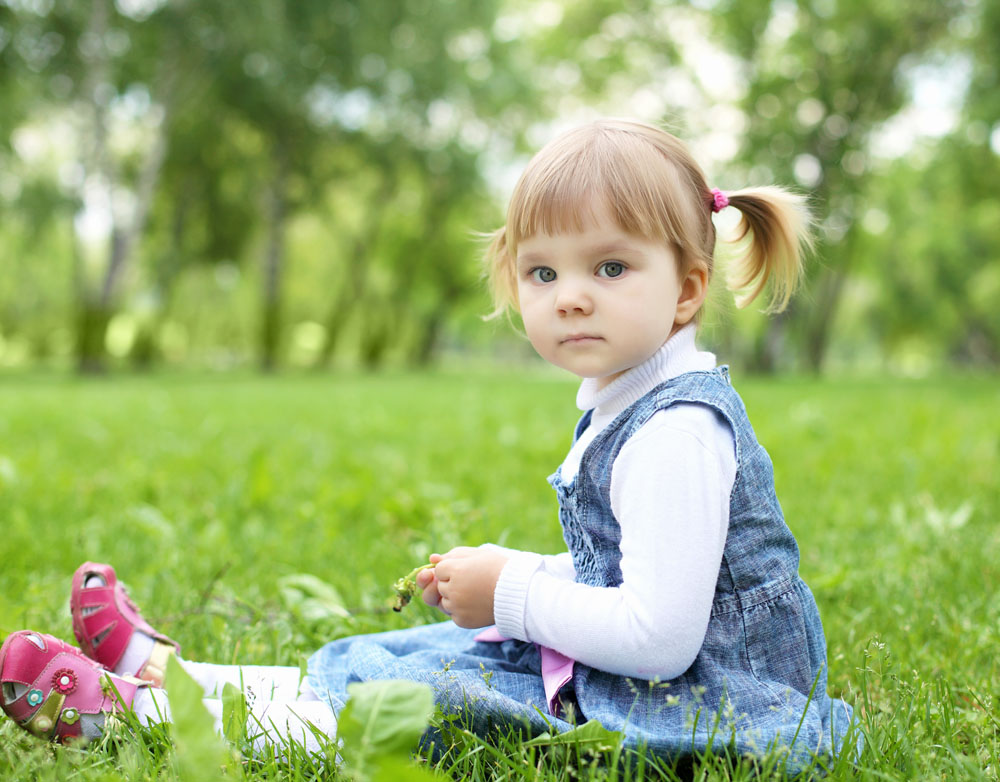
point(47, 685)
point(104, 620)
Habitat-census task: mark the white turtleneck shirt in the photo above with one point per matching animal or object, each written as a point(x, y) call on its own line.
point(670, 489)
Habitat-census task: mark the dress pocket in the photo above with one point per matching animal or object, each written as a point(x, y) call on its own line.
point(778, 642)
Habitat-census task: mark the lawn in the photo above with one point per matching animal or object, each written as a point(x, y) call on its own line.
point(208, 492)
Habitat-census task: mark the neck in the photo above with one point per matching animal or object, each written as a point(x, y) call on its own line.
point(677, 356)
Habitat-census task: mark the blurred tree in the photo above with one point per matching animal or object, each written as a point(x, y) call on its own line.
point(110, 83)
point(935, 253)
point(31, 200)
point(214, 129)
point(416, 165)
point(824, 75)
point(158, 155)
point(353, 93)
point(14, 88)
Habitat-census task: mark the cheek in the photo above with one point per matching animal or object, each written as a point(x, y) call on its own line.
point(534, 327)
point(530, 308)
point(651, 317)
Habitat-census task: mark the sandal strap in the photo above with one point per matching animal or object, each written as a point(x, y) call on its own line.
point(43, 722)
point(106, 613)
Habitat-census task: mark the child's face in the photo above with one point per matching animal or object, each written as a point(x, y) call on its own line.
point(600, 301)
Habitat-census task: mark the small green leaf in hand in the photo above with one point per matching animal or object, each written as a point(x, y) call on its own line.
point(406, 588)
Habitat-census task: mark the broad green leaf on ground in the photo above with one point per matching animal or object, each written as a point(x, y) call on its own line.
point(200, 751)
point(382, 720)
point(311, 598)
point(592, 735)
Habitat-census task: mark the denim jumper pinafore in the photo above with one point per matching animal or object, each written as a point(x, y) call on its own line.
point(758, 683)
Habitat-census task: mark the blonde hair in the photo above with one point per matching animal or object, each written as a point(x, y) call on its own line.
point(652, 187)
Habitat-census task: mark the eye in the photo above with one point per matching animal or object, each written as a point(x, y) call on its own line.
point(543, 274)
point(611, 269)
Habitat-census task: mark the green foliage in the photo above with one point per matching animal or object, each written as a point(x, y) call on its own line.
point(356, 149)
point(826, 76)
point(234, 714)
point(311, 599)
point(380, 727)
point(200, 753)
point(591, 736)
point(220, 127)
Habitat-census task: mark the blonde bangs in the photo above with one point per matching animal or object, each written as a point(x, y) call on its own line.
point(599, 166)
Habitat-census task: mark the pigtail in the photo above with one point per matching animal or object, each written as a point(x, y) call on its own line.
point(773, 233)
point(498, 268)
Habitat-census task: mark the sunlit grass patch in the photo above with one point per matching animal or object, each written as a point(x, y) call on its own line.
point(245, 514)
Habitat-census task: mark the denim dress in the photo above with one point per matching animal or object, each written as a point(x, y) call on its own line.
point(758, 683)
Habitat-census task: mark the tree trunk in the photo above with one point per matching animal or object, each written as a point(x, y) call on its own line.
point(821, 315)
point(375, 341)
point(95, 310)
point(146, 351)
point(92, 316)
point(425, 347)
point(274, 259)
point(436, 210)
point(353, 288)
point(817, 336)
point(765, 356)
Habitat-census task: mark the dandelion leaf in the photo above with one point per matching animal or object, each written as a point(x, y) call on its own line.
point(592, 735)
point(383, 720)
point(311, 598)
point(200, 753)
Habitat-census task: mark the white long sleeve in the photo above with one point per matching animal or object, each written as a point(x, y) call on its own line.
point(670, 494)
point(560, 565)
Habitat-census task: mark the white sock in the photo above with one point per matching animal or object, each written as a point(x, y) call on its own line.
point(259, 682)
point(140, 645)
point(151, 706)
point(269, 723)
point(279, 724)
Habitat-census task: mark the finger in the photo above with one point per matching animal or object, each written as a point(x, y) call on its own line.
point(431, 595)
point(435, 558)
point(460, 551)
point(424, 578)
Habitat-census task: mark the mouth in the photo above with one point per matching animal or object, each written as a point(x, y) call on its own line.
point(579, 339)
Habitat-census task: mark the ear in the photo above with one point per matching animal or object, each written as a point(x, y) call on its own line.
point(694, 288)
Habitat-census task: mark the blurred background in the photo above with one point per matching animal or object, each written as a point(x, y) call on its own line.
point(292, 184)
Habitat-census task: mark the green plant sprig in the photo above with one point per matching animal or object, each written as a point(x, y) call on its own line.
point(406, 587)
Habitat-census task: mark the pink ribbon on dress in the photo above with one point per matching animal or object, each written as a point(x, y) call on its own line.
point(557, 668)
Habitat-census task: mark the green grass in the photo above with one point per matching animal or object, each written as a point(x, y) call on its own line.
point(204, 492)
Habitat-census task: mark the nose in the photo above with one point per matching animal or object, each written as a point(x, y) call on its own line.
point(572, 297)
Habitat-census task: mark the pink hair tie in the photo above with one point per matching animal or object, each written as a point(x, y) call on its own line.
point(719, 200)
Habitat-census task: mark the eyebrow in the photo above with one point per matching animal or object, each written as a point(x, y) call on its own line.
point(611, 248)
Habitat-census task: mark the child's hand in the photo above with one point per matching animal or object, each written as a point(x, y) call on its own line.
point(462, 584)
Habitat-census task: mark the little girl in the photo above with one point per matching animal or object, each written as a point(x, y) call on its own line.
point(676, 615)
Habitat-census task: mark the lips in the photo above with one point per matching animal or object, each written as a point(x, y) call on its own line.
point(578, 339)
